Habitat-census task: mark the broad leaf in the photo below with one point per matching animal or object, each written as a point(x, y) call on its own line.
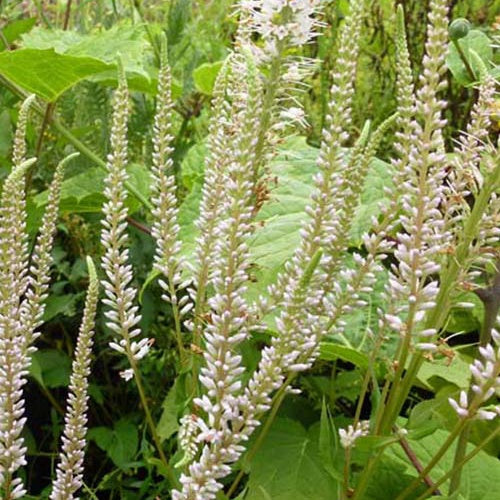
point(288, 466)
point(171, 409)
point(478, 42)
point(128, 42)
point(480, 476)
point(204, 76)
point(120, 443)
point(45, 72)
point(330, 352)
point(51, 368)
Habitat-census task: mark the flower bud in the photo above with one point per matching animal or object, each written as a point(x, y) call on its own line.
point(459, 28)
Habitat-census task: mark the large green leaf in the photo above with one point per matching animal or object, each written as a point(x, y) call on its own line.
point(288, 466)
point(172, 407)
point(204, 76)
point(128, 42)
point(455, 371)
point(480, 477)
point(51, 368)
point(120, 442)
point(45, 72)
point(330, 351)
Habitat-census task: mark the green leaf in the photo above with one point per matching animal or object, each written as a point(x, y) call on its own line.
point(480, 476)
point(288, 466)
point(61, 304)
point(477, 41)
point(204, 76)
point(330, 352)
point(464, 320)
point(15, 29)
point(172, 406)
point(455, 371)
point(83, 193)
point(130, 42)
point(120, 442)
point(51, 368)
point(45, 72)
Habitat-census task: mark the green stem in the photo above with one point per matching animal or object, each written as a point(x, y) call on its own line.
point(490, 298)
point(434, 461)
point(152, 428)
point(448, 282)
point(464, 59)
point(347, 469)
point(465, 459)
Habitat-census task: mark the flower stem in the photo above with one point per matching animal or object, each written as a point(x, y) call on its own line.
point(172, 478)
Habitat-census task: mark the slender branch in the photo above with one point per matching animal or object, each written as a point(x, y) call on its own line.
point(412, 457)
point(466, 459)
point(464, 59)
point(67, 15)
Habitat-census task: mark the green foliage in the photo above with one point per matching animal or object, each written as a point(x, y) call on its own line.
point(51, 368)
point(477, 41)
point(289, 465)
point(120, 442)
point(204, 76)
point(47, 73)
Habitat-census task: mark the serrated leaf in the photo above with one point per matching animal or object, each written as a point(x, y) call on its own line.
point(171, 408)
point(128, 42)
point(480, 476)
point(288, 465)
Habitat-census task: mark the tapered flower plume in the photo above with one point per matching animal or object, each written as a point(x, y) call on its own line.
point(70, 467)
point(227, 329)
point(165, 229)
point(221, 133)
point(38, 282)
point(120, 294)
point(413, 287)
point(326, 211)
point(22, 298)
